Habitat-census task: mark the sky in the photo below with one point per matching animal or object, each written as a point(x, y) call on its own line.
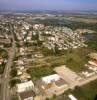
point(48, 5)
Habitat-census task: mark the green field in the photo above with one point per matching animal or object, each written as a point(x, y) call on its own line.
point(87, 92)
point(38, 72)
point(75, 59)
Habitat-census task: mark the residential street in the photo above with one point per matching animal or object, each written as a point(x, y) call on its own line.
point(5, 94)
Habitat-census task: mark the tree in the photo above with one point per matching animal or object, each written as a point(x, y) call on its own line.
point(15, 97)
point(70, 60)
point(47, 99)
point(56, 50)
point(13, 72)
point(13, 82)
point(54, 97)
point(47, 51)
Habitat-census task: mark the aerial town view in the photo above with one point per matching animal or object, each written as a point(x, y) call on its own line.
point(48, 50)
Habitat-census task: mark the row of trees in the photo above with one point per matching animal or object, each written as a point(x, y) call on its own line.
point(3, 55)
point(92, 43)
point(72, 24)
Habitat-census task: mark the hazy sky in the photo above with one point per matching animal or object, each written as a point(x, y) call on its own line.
point(48, 5)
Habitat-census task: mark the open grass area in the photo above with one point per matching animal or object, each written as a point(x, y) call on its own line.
point(87, 92)
point(38, 72)
point(44, 66)
point(75, 59)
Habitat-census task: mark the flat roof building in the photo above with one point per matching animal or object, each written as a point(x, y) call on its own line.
point(27, 95)
point(68, 75)
point(52, 84)
point(26, 86)
point(50, 78)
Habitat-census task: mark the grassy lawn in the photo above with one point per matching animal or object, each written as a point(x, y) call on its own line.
point(77, 59)
point(38, 72)
point(87, 92)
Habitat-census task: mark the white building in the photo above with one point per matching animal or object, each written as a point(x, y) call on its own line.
point(68, 75)
point(49, 79)
point(26, 86)
point(53, 84)
point(71, 97)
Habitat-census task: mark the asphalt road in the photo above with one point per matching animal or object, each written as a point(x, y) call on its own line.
point(5, 92)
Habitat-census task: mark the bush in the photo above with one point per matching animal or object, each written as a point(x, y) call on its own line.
point(13, 82)
point(38, 72)
point(15, 97)
point(13, 72)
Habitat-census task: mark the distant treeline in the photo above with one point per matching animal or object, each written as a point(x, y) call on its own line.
point(67, 23)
